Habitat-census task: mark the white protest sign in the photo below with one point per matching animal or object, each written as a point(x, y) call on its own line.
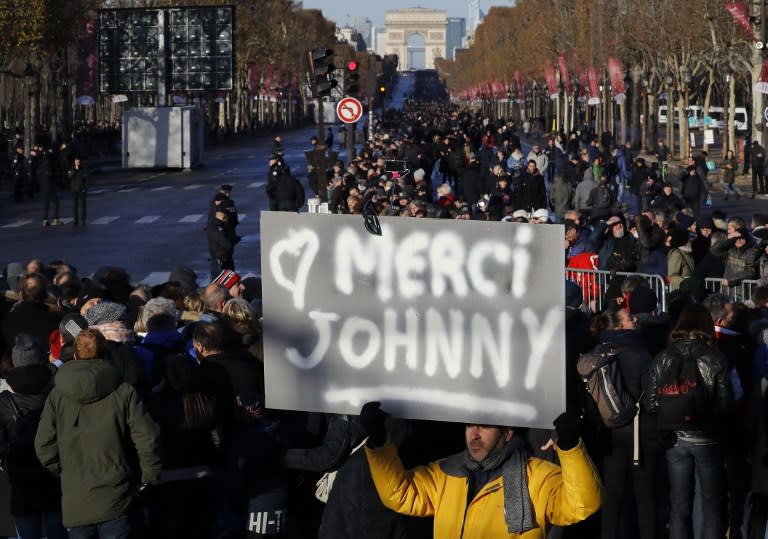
point(438, 319)
point(709, 136)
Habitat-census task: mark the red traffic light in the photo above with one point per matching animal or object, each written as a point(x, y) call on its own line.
point(352, 65)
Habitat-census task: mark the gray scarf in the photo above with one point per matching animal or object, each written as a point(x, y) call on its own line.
point(517, 500)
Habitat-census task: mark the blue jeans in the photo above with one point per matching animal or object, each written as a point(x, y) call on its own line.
point(685, 461)
point(118, 528)
point(31, 526)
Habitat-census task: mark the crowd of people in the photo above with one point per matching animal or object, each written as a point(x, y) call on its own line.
point(130, 411)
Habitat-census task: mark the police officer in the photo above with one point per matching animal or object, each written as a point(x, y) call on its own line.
point(78, 184)
point(220, 246)
point(224, 194)
point(46, 175)
point(19, 173)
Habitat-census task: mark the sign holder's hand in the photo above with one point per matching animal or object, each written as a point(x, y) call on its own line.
point(567, 432)
point(372, 419)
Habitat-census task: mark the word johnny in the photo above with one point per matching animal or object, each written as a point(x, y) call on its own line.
point(443, 320)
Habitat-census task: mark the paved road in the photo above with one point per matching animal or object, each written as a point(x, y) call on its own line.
point(150, 221)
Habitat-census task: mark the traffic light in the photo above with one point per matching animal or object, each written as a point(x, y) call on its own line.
point(321, 66)
point(351, 78)
point(382, 89)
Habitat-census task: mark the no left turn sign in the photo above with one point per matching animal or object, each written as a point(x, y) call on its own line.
point(349, 110)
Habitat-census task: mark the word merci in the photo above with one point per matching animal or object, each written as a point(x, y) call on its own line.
point(411, 267)
point(421, 269)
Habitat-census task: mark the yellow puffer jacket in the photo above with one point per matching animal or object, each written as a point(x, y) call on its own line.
point(560, 495)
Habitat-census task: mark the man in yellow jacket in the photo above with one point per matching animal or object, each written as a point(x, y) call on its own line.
point(491, 490)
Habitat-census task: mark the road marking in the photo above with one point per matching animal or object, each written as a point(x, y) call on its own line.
point(161, 188)
point(193, 186)
point(127, 189)
point(155, 176)
point(105, 220)
point(257, 185)
point(191, 218)
point(97, 191)
point(17, 224)
point(67, 220)
point(241, 217)
point(147, 219)
point(230, 171)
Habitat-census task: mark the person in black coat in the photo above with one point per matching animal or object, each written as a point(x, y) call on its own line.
point(35, 492)
point(19, 174)
point(532, 193)
point(78, 184)
point(667, 201)
point(191, 417)
point(285, 192)
point(353, 508)
point(47, 178)
point(616, 328)
point(472, 182)
point(693, 188)
point(220, 244)
point(32, 314)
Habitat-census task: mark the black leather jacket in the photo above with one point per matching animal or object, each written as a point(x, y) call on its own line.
point(712, 366)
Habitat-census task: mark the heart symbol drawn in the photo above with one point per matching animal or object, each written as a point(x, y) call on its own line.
point(302, 244)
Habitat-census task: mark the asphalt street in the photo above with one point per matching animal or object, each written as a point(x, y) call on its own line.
point(149, 221)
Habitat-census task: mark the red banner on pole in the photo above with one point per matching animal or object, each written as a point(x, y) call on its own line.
point(594, 87)
point(762, 81)
point(549, 75)
point(616, 73)
point(254, 78)
point(740, 13)
point(564, 78)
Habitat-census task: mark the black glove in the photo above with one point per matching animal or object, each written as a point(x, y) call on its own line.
point(567, 427)
point(372, 419)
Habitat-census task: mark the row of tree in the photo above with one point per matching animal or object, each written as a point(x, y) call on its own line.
point(43, 35)
point(684, 51)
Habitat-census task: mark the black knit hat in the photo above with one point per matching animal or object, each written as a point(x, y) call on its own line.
point(678, 237)
point(30, 374)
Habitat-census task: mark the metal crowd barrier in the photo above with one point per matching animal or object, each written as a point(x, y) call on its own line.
point(595, 283)
point(742, 292)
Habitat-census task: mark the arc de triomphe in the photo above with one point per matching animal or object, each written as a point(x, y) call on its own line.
point(403, 24)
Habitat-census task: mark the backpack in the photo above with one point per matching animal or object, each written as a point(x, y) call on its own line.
point(20, 460)
point(599, 370)
point(682, 397)
point(603, 199)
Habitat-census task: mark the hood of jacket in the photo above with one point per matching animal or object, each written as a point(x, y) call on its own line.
point(624, 338)
point(88, 381)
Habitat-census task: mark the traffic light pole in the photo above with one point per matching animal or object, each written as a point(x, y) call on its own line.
point(321, 174)
point(350, 142)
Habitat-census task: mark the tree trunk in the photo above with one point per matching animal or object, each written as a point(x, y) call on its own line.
point(651, 122)
point(730, 126)
point(683, 124)
point(707, 103)
point(671, 121)
point(758, 122)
